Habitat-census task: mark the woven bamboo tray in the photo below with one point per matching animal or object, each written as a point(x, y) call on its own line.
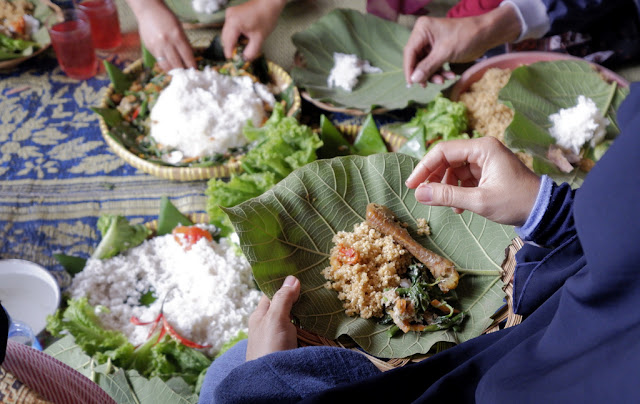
point(279, 77)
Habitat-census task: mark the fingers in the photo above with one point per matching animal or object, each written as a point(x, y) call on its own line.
point(260, 311)
point(284, 299)
point(454, 153)
point(229, 37)
point(253, 48)
point(186, 55)
point(459, 198)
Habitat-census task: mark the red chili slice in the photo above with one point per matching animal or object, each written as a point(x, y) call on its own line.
point(190, 235)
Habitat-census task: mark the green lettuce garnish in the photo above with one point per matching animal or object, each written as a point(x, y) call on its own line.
point(441, 119)
point(118, 235)
point(282, 144)
point(14, 48)
point(166, 358)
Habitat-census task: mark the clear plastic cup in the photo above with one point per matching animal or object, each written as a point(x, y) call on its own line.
point(70, 34)
point(22, 333)
point(105, 25)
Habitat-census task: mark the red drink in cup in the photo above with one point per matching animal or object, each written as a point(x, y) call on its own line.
point(105, 26)
point(71, 39)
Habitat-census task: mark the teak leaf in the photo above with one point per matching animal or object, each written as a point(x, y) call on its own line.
point(288, 230)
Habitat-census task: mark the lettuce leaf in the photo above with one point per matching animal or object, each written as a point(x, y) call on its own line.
point(441, 119)
point(14, 48)
point(118, 235)
point(165, 359)
point(281, 145)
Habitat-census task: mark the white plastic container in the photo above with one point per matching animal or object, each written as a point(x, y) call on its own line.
point(28, 292)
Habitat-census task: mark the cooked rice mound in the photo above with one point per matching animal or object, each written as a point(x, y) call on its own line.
point(363, 264)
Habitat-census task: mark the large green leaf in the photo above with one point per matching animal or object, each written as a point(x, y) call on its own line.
point(185, 12)
point(370, 38)
point(536, 91)
point(288, 230)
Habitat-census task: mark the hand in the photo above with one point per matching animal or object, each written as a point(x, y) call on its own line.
point(494, 183)
point(435, 41)
point(255, 19)
point(270, 327)
point(162, 34)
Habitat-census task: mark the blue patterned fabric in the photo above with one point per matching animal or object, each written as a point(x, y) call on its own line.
point(57, 174)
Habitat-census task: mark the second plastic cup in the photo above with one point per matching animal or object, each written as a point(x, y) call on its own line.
point(105, 26)
point(70, 34)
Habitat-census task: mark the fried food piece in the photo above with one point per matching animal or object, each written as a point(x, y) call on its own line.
point(384, 220)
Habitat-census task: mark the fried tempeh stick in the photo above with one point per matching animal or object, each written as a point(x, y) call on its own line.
point(384, 220)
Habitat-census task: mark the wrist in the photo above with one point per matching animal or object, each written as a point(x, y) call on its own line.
point(499, 26)
point(538, 209)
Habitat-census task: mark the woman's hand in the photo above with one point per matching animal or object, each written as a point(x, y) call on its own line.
point(480, 175)
point(270, 327)
point(162, 34)
point(435, 41)
point(255, 19)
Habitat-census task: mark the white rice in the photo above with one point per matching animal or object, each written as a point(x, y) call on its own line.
point(346, 70)
point(202, 113)
point(574, 127)
point(206, 290)
point(208, 6)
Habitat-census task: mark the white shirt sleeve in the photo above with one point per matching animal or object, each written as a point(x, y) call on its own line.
point(533, 18)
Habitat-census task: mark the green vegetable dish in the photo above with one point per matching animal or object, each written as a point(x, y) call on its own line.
point(21, 30)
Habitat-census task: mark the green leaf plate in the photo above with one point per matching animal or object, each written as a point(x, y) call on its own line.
point(371, 38)
point(191, 19)
point(288, 230)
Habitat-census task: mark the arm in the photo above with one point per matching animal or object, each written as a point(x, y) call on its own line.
point(162, 34)
point(255, 19)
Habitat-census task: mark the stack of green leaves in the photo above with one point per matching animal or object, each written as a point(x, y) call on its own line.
point(280, 146)
point(368, 140)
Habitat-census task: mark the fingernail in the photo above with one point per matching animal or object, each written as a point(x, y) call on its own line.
point(424, 193)
point(289, 281)
point(417, 76)
point(437, 79)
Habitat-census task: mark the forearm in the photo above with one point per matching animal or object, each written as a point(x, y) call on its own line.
point(139, 7)
point(499, 26)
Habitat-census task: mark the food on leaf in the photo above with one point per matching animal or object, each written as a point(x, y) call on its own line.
point(288, 231)
point(371, 38)
point(576, 126)
point(537, 91)
point(376, 271)
point(385, 221)
point(347, 69)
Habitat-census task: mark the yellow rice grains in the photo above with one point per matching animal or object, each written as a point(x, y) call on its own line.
point(363, 264)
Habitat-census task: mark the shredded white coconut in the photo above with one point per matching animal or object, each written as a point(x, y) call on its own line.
point(575, 126)
point(202, 113)
point(346, 70)
point(206, 290)
point(208, 6)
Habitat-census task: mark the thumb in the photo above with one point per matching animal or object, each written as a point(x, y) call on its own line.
point(253, 48)
point(284, 298)
point(427, 67)
point(437, 194)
